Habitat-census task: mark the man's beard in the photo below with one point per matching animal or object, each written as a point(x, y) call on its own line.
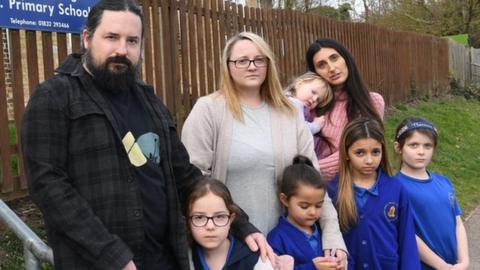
point(116, 79)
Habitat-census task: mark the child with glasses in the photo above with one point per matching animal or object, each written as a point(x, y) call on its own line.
point(211, 211)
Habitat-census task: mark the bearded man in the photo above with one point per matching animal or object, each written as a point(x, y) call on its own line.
point(103, 159)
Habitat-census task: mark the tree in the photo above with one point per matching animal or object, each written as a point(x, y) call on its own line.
point(344, 11)
point(302, 5)
point(318, 7)
point(436, 17)
point(341, 13)
point(266, 4)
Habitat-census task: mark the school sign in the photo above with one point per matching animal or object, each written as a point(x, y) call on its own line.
point(45, 15)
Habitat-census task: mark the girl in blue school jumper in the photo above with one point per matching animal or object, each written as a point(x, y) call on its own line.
point(298, 234)
point(211, 211)
point(374, 212)
point(441, 237)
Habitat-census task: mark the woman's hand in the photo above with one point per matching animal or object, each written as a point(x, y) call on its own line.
point(256, 241)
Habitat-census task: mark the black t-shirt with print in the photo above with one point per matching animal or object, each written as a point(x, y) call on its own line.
point(144, 153)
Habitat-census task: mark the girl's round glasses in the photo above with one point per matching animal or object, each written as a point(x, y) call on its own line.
point(202, 220)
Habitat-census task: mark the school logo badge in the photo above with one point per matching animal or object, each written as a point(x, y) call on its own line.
point(391, 211)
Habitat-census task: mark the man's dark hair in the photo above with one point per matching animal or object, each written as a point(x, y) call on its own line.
point(96, 13)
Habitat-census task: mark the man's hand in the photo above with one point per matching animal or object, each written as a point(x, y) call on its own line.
point(130, 266)
point(256, 241)
point(285, 262)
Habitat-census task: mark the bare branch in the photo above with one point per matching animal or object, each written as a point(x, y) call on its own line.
point(419, 20)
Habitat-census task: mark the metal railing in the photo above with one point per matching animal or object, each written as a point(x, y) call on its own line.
point(34, 249)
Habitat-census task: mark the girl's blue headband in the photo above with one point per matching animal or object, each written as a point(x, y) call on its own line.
point(416, 125)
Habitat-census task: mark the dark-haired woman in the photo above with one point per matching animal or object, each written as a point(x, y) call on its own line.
point(334, 63)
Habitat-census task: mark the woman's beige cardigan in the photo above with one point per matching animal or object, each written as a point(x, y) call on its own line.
point(207, 135)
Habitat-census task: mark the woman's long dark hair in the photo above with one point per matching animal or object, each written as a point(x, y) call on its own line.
point(359, 102)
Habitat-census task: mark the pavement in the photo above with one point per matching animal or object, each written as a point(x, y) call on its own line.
point(472, 225)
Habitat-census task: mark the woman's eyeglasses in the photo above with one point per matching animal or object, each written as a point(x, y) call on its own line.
point(245, 63)
point(202, 220)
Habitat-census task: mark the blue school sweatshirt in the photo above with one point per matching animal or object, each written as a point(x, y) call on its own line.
point(286, 239)
point(434, 202)
point(384, 236)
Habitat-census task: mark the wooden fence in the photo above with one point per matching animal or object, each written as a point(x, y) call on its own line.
point(464, 64)
point(459, 62)
point(183, 44)
point(475, 66)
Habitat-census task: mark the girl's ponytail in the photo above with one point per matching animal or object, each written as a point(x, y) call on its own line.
point(300, 172)
point(299, 159)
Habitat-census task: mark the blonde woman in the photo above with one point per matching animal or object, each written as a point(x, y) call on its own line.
point(247, 132)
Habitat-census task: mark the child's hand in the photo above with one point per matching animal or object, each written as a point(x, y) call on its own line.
point(320, 121)
point(445, 266)
point(339, 256)
point(322, 263)
point(459, 266)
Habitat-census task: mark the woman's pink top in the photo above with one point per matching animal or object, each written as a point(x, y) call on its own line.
point(336, 120)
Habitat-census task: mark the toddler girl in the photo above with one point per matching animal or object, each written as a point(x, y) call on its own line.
point(307, 93)
point(432, 198)
point(373, 208)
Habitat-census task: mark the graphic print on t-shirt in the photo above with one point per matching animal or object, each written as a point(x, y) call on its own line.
point(146, 147)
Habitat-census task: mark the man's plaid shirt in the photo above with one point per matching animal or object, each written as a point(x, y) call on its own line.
point(80, 176)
